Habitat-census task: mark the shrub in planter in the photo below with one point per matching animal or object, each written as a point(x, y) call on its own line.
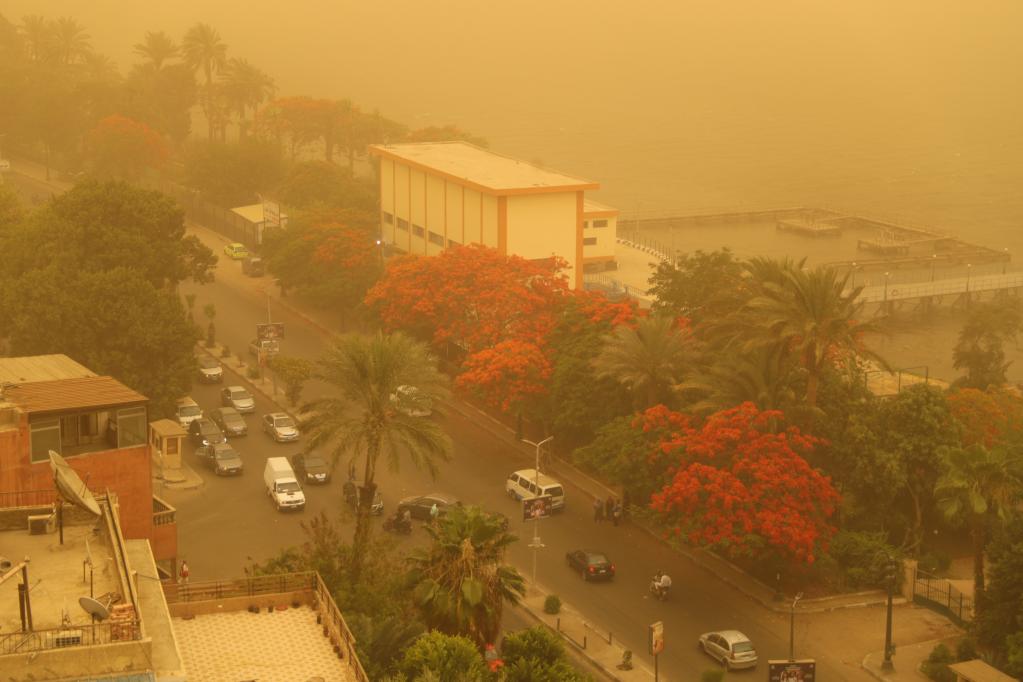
point(253, 372)
point(552, 604)
point(712, 675)
point(936, 665)
point(966, 649)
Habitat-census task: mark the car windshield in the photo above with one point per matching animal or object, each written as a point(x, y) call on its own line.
point(288, 487)
point(742, 647)
point(241, 395)
point(189, 411)
point(226, 453)
point(232, 417)
point(598, 559)
point(311, 462)
point(283, 422)
point(207, 362)
point(208, 428)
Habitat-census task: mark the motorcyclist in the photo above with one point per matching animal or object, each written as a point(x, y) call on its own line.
point(406, 518)
point(660, 584)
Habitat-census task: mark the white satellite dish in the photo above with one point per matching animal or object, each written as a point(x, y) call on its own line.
point(97, 609)
point(71, 486)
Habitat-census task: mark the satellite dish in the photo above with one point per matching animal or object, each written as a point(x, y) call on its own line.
point(97, 609)
point(71, 486)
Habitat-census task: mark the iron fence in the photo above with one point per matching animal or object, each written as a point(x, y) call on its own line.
point(942, 596)
point(69, 636)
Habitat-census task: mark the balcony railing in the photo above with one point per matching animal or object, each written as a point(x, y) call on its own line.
point(70, 636)
point(27, 498)
point(163, 513)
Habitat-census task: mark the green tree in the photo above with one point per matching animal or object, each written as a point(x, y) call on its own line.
point(980, 486)
point(537, 655)
point(232, 175)
point(12, 212)
point(461, 582)
point(980, 348)
point(621, 453)
point(765, 376)
point(308, 184)
point(205, 51)
point(648, 360)
point(157, 49)
point(999, 620)
point(700, 286)
point(444, 657)
point(360, 421)
point(245, 86)
point(294, 372)
point(70, 41)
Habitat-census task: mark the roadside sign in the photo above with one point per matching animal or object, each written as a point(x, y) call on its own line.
point(803, 670)
point(656, 640)
point(271, 331)
point(536, 507)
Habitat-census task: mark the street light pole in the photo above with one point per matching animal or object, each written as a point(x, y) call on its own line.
point(792, 627)
point(969, 267)
point(887, 664)
point(934, 261)
point(886, 287)
point(536, 544)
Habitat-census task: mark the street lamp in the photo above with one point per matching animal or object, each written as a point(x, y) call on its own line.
point(891, 566)
point(854, 275)
point(886, 286)
point(792, 627)
point(969, 266)
point(934, 261)
point(380, 248)
point(536, 544)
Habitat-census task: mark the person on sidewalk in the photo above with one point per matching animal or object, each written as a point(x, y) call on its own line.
point(609, 507)
point(183, 572)
point(598, 510)
point(617, 512)
point(434, 513)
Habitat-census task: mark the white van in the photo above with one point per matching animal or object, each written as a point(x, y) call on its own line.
point(187, 412)
point(281, 485)
point(523, 484)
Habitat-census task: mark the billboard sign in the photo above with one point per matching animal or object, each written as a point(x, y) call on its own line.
point(272, 331)
point(803, 670)
point(656, 639)
point(536, 507)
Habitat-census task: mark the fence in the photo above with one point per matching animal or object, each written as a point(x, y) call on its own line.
point(27, 498)
point(941, 596)
point(226, 222)
point(70, 636)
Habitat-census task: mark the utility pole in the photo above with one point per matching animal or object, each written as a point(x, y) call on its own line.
point(890, 569)
point(536, 544)
point(792, 627)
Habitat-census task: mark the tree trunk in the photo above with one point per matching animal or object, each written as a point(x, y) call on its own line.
point(979, 541)
point(918, 518)
point(811, 388)
point(360, 542)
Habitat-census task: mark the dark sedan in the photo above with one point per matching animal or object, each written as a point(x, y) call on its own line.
point(591, 564)
point(205, 432)
point(229, 421)
point(310, 468)
point(420, 506)
point(222, 459)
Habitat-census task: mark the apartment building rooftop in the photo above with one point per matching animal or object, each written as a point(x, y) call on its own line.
point(80, 393)
point(481, 169)
point(41, 368)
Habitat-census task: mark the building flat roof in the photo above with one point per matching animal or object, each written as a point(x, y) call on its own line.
point(481, 169)
point(41, 368)
point(596, 209)
point(979, 671)
point(71, 394)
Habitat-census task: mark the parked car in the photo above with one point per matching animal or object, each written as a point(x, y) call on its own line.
point(732, 648)
point(419, 505)
point(187, 412)
point(310, 468)
point(353, 491)
point(204, 432)
point(280, 427)
point(411, 401)
point(268, 347)
point(253, 266)
point(210, 371)
point(591, 564)
point(236, 251)
point(229, 421)
point(223, 459)
point(238, 398)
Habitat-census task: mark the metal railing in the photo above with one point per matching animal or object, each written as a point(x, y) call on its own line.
point(27, 498)
point(960, 285)
point(940, 595)
point(69, 636)
point(163, 513)
point(336, 629)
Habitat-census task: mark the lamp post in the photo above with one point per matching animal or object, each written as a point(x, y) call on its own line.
point(886, 287)
point(536, 544)
point(934, 261)
point(853, 273)
point(891, 566)
point(969, 267)
point(792, 627)
point(380, 249)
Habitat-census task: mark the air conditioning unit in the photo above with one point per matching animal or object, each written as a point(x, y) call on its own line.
point(40, 524)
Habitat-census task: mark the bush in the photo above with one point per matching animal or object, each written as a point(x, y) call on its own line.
point(966, 649)
point(934, 562)
point(253, 372)
point(712, 675)
point(936, 665)
point(552, 604)
point(225, 352)
point(862, 557)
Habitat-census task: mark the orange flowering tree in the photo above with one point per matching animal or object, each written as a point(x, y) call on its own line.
point(986, 417)
point(739, 486)
point(122, 147)
point(507, 375)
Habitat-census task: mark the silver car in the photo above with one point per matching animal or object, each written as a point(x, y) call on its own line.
point(280, 427)
point(238, 398)
point(732, 648)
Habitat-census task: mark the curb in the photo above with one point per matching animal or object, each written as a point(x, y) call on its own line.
point(574, 649)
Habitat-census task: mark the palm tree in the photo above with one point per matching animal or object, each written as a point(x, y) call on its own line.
point(980, 485)
point(809, 312)
point(246, 86)
point(39, 38)
point(204, 50)
point(647, 360)
point(766, 376)
point(71, 42)
point(461, 582)
point(362, 422)
point(156, 49)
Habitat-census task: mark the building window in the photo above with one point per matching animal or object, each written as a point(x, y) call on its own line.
point(600, 223)
point(388, 218)
point(44, 436)
point(172, 446)
point(586, 224)
point(131, 427)
point(402, 224)
point(436, 239)
point(452, 242)
point(589, 241)
point(418, 231)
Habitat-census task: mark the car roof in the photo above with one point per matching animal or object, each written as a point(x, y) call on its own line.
point(209, 360)
point(229, 412)
point(187, 400)
point(593, 553)
point(235, 388)
point(237, 244)
point(731, 636)
point(530, 475)
point(278, 414)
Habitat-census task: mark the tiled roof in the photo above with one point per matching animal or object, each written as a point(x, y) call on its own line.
point(72, 394)
point(41, 368)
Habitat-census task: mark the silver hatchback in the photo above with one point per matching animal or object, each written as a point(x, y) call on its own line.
point(730, 647)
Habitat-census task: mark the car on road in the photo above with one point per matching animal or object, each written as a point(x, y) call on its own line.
point(204, 432)
point(236, 251)
point(238, 398)
point(730, 647)
point(252, 266)
point(210, 371)
point(522, 485)
point(592, 564)
point(280, 427)
point(410, 400)
point(353, 491)
point(310, 468)
point(419, 505)
point(223, 459)
point(187, 411)
point(268, 347)
point(230, 421)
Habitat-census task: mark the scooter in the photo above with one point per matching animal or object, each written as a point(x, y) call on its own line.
point(658, 591)
point(398, 525)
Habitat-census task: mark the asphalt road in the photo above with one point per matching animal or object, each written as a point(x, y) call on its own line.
point(230, 520)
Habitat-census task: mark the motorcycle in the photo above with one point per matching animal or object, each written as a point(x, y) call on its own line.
point(658, 591)
point(398, 525)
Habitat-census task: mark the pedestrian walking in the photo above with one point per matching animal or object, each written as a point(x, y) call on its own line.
point(609, 507)
point(617, 512)
point(434, 513)
point(598, 510)
point(183, 572)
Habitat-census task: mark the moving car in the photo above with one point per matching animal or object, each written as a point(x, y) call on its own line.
point(592, 564)
point(522, 484)
point(210, 371)
point(353, 491)
point(410, 401)
point(236, 251)
point(222, 459)
point(229, 421)
point(238, 398)
point(730, 647)
point(419, 506)
point(310, 468)
point(280, 427)
point(187, 412)
point(204, 432)
point(281, 486)
point(253, 266)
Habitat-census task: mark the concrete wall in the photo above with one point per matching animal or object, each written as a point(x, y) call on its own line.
point(78, 662)
point(604, 249)
point(542, 225)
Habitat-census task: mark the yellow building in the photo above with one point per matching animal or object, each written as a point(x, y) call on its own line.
point(440, 194)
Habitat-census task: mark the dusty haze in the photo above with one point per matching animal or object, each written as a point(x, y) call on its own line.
point(909, 109)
